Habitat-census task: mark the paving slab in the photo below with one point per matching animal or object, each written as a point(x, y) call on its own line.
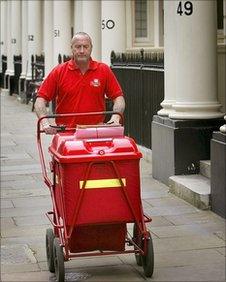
point(23, 211)
point(187, 230)
point(209, 272)
point(187, 243)
point(21, 193)
point(197, 216)
point(37, 201)
point(31, 220)
point(7, 204)
point(22, 231)
point(16, 254)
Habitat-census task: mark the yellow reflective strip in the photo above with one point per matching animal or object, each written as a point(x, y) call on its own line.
point(102, 183)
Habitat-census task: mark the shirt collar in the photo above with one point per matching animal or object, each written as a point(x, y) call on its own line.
point(73, 66)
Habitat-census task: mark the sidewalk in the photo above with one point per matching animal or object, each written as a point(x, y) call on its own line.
point(189, 244)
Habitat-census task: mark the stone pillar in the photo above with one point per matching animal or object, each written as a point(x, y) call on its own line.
point(24, 45)
point(170, 57)
point(61, 29)
point(48, 35)
point(196, 91)
point(3, 27)
point(218, 175)
point(223, 127)
point(92, 11)
point(78, 18)
point(34, 32)
point(113, 23)
point(181, 139)
point(158, 24)
point(3, 40)
point(9, 71)
point(16, 27)
point(16, 44)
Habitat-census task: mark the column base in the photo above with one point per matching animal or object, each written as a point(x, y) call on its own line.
point(166, 108)
point(196, 110)
point(218, 175)
point(179, 145)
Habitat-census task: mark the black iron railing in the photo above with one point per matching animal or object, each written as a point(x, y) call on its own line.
point(4, 68)
point(141, 75)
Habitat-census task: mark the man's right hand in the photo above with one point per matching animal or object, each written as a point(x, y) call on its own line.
point(48, 129)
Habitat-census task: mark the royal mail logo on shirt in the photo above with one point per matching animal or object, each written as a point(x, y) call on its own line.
point(95, 82)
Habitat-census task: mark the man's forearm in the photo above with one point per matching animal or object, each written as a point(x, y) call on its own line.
point(40, 107)
point(119, 104)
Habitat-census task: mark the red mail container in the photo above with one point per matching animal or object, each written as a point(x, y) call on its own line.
point(102, 165)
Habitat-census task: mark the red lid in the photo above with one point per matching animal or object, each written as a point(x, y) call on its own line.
point(93, 144)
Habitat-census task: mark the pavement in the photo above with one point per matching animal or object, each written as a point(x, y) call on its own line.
point(189, 244)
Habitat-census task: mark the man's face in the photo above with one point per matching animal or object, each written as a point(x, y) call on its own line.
point(81, 49)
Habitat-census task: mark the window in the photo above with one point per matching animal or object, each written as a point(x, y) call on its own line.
point(220, 17)
point(141, 19)
point(143, 22)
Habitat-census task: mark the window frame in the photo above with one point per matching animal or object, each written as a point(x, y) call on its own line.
point(149, 40)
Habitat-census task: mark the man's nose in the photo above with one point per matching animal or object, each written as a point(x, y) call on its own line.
point(81, 49)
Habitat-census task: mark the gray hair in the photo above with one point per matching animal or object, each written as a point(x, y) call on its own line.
point(81, 33)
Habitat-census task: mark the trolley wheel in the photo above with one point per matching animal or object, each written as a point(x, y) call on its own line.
point(148, 259)
point(58, 260)
point(49, 249)
point(137, 239)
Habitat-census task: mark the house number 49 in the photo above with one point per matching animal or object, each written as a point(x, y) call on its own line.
point(187, 8)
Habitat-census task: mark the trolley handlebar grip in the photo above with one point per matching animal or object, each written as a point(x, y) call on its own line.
point(59, 128)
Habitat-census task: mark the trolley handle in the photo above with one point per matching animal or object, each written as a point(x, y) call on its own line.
point(59, 128)
point(62, 128)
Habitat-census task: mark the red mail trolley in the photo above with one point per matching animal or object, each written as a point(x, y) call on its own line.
point(94, 183)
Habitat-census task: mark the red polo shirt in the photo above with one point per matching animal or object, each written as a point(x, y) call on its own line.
point(75, 92)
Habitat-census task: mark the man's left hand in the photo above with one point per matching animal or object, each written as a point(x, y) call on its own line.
point(115, 120)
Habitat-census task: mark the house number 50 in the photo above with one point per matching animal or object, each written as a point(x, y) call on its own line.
point(109, 24)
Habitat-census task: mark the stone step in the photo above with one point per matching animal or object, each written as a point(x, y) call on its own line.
point(205, 167)
point(194, 189)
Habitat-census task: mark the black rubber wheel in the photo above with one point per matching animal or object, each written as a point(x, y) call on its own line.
point(148, 260)
point(137, 240)
point(49, 249)
point(58, 260)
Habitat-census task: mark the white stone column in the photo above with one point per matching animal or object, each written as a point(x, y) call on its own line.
point(34, 32)
point(9, 70)
point(170, 57)
point(61, 29)
point(48, 35)
point(24, 39)
point(78, 18)
point(92, 11)
point(196, 64)
point(3, 27)
point(16, 28)
point(223, 127)
point(113, 15)
point(158, 24)
point(3, 34)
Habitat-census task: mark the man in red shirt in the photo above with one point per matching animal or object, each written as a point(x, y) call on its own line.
point(79, 85)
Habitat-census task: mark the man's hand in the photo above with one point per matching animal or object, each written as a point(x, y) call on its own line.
point(115, 120)
point(47, 128)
